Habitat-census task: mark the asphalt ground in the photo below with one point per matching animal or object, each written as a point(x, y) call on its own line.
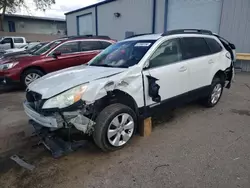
point(190, 147)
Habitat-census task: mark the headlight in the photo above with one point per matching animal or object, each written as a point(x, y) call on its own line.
point(8, 66)
point(66, 98)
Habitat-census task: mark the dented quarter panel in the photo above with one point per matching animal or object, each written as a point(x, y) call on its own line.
point(129, 81)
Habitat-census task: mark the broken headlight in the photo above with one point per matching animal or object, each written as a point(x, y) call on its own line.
point(66, 98)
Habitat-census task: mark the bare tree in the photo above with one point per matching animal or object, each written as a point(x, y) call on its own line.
point(13, 5)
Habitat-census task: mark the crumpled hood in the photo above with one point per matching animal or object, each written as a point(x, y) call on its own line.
point(57, 82)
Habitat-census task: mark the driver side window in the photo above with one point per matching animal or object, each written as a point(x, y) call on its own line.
point(167, 53)
point(6, 41)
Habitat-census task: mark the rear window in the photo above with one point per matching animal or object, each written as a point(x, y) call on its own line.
point(90, 45)
point(195, 47)
point(105, 44)
point(18, 40)
point(214, 46)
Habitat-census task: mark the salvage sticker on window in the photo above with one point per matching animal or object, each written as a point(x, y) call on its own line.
point(142, 44)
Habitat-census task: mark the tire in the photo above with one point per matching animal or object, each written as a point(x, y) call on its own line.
point(33, 74)
point(215, 90)
point(104, 124)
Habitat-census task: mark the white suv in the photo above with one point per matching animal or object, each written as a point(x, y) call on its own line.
point(121, 85)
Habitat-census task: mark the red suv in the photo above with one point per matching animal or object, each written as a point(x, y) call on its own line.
point(56, 55)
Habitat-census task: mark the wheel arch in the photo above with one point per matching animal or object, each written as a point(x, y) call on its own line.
point(32, 67)
point(221, 74)
point(118, 96)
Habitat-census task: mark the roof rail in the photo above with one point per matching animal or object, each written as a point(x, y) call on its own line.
point(89, 36)
point(187, 31)
point(138, 35)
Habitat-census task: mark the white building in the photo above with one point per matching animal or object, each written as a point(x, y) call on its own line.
point(120, 18)
point(34, 25)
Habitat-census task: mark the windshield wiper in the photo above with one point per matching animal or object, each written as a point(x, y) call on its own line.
point(101, 65)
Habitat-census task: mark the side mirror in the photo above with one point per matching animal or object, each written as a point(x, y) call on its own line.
point(56, 54)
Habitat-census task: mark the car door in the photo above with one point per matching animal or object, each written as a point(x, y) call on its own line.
point(18, 42)
point(89, 49)
point(5, 44)
point(170, 71)
point(200, 62)
point(63, 56)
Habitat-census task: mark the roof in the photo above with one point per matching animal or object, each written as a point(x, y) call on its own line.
point(145, 37)
point(91, 6)
point(171, 32)
point(35, 17)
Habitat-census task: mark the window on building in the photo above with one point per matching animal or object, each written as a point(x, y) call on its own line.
point(12, 26)
point(18, 40)
point(90, 45)
point(167, 53)
point(195, 47)
point(214, 46)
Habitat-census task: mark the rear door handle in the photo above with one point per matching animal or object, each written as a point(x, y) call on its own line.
point(183, 69)
point(210, 61)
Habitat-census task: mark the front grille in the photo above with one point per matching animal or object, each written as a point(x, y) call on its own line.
point(35, 100)
point(32, 96)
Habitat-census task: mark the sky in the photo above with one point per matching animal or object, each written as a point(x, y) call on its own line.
point(57, 10)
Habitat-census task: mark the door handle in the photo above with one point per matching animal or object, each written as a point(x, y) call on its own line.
point(210, 61)
point(183, 69)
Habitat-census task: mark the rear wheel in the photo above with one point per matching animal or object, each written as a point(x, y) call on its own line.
point(115, 126)
point(30, 76)
point(215, 92)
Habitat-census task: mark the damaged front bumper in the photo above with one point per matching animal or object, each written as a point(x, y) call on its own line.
point(60, 120)
point(50, 122)
point(49, 129)
point(54, 142)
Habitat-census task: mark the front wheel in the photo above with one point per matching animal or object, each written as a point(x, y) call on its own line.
point(30, 76)
point(115, 126)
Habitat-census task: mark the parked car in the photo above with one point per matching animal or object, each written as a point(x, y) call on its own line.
point(9, 42)
point(26, 52)
point(108, 97)
point(22, 48)
point(56, 55)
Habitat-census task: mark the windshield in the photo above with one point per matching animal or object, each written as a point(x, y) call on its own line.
point(35, 48)
point(122, 54)
point(47, 47)
point(23, 46)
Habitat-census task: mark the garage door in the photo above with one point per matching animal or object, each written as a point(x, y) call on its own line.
point(203, 14)
point(85, 24)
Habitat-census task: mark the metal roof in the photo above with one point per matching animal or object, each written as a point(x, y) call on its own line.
point(35, 17)
point(90, 6)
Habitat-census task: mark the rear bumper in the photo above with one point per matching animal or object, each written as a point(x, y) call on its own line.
point(229, 76)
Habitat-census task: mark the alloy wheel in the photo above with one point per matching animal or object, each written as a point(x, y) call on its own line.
point(31, 77)
point(216, 93)
point(120, 129)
